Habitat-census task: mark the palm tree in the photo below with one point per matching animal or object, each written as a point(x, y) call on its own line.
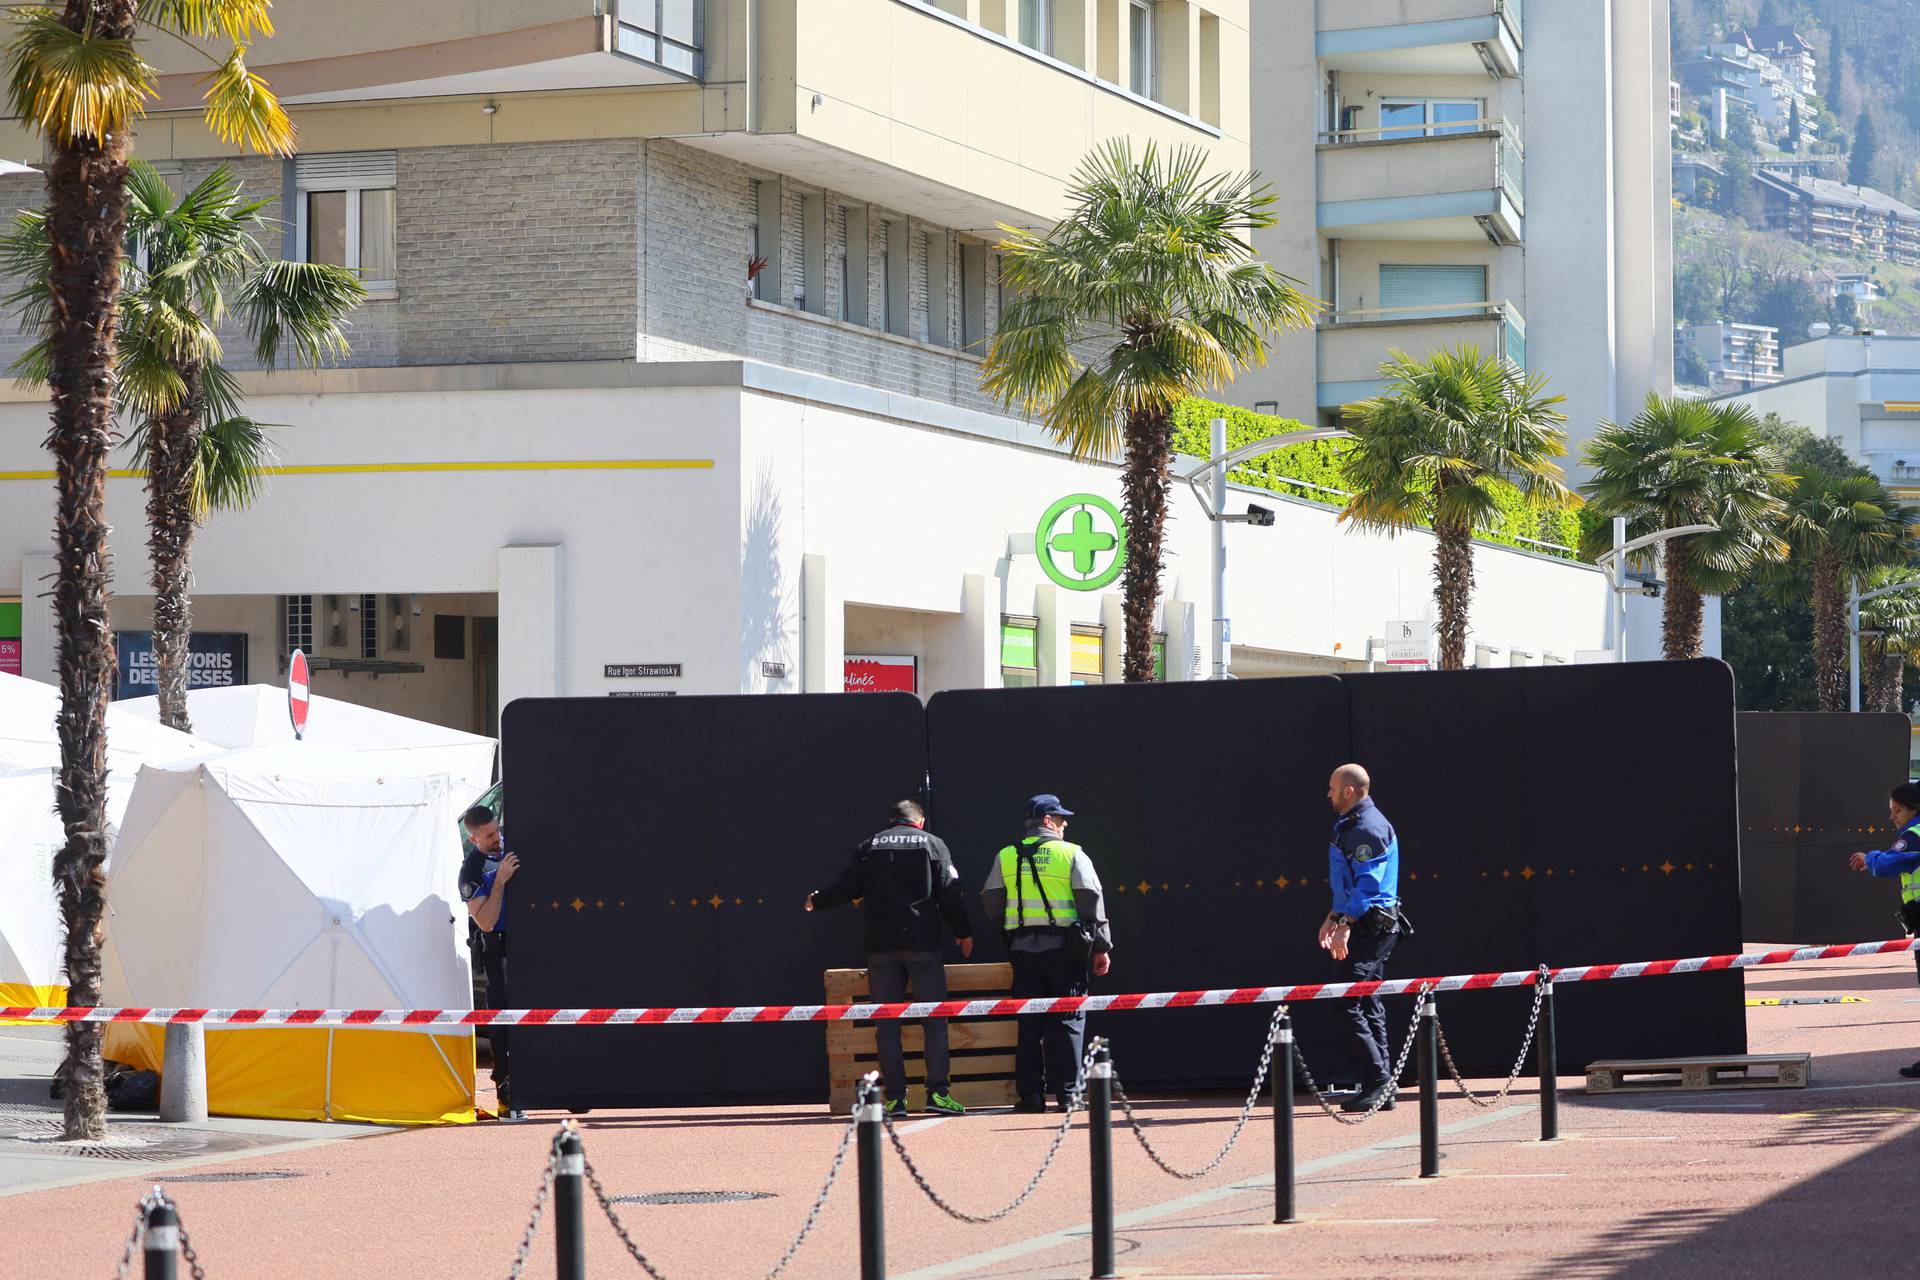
point(1147, 292)
point(194, 262)
point(75, 75)
point(1844, 527)
point(1431, 451)
point(1889, 635)
point(1684, 461)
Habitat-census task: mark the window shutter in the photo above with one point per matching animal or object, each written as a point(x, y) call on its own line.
point(334, 170)
point(1441, 288)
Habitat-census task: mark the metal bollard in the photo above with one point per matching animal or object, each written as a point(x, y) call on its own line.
point(1283, 1200)
point(1429, 1050)
point(161, 1245)
point(873, 1232)
point(1100, 1144)
point(1549, 1063)
point(569, 1209)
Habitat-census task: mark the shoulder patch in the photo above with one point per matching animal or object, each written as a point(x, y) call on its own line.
point(1899, 846)
point(1364, 852)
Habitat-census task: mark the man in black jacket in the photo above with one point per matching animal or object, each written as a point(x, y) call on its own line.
point(904, 876)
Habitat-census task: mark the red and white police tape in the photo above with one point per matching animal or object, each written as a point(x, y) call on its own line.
point(994, 1008)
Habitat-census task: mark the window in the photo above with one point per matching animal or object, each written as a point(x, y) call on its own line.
point(1019, 651)
point(896, 274)
point(1089, 653)
point(297, 623)
point(346, 214)
point(1140, 47)
point(763, 260)
point(450, 637)
point(369, 626)
point(973, 296)
point(1036, 25)
point(1429, 117)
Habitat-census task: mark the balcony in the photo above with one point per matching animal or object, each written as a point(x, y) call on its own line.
point(1421, 37)
point(1354, 343)
point(1464, 181)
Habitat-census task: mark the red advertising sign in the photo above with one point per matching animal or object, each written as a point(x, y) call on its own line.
point(9, 657)
point(874, 673)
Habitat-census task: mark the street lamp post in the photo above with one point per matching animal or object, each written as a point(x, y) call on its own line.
point(1219, 464)
point(1617, 571)
point(1854, 601)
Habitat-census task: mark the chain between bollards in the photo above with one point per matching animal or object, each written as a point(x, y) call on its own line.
point(569, 1208)
point(1549, 1062)
point(1100, 1145)
point(873, 1232)
point(1429, 1087)
point(1283, 1189)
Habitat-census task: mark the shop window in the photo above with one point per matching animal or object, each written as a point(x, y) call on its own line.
point(1089, 654)
point(1019, 651)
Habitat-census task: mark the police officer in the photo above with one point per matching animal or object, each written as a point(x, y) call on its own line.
point(1901, 858)
point(1055, 921)
point(905, 878)
point(484, 875)
point(1363, 867)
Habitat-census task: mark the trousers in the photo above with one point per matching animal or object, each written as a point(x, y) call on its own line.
point(494, 959)
point(1047, 1057)
point(1367, 1017)
point(889, 974)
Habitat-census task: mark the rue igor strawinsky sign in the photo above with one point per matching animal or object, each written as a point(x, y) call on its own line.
point(1082, 542)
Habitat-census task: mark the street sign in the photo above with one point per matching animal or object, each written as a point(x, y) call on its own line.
point(1082, 542)
point(641, 670)
point(298, 683)
point(1409, 644)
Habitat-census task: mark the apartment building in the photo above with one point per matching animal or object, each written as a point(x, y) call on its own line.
point(669, 380)
point(1482, 172)
point(1860, 222)
point(1734, 357)
point(1741, 83)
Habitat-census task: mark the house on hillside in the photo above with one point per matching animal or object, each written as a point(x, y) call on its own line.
point(1859, 222)
point(1788, 50)
point(1736, 357)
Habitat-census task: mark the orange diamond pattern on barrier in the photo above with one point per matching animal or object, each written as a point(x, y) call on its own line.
point(1667, 867)
point(577, 905)
point(714, 902)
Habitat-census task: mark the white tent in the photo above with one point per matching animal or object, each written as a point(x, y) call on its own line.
point(294, 876)
point(28, 710)
point(253, 715)
point(31, 963)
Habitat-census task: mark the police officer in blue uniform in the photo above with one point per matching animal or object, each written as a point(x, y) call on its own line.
point(1363, 868)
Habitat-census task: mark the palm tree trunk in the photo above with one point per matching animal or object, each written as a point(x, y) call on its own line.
point(1143, 485)
point(1684, 616)
point(1453, 591)
point(86, 222)
point(1829, 633)
point(172, 441)
point(1874, 673)
point(1897, 683)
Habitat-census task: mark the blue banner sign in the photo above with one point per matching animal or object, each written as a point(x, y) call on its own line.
point(215, 659)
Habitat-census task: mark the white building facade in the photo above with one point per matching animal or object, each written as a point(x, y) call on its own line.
point(669, 383)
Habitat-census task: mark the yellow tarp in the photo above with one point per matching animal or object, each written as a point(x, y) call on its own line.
point(15, 995)
point(319, 1073)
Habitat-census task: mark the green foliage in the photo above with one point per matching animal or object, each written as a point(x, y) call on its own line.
point(1865, 156)
point(1322, 463)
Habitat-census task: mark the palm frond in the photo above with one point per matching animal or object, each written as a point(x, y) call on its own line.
point(235, 20)
point(302, 305)
point(74, 84)
point(242, 109)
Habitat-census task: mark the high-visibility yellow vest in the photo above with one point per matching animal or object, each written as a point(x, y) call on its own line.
point(1910, 880)
point(1028, 899)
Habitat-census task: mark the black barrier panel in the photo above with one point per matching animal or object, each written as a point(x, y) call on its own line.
point(1204, 809)
point(1813, 789)
point(668, 844)
point(1567, 816)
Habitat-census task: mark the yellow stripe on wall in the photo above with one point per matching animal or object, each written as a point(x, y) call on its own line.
point(387, 468)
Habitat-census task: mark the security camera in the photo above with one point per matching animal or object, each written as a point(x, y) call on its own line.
point(1261, 517)
point(1652, 591)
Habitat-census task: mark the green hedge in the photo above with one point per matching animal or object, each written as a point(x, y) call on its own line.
point(1318, 462)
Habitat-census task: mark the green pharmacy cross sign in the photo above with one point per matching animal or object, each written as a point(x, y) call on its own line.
point(1082, 542)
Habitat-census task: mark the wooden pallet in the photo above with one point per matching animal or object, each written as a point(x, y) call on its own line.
point(980, 1049)
point(1789, 1071)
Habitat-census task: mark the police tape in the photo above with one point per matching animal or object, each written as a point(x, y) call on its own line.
point(426, 1019)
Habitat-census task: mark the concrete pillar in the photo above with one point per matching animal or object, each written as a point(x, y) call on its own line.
point(980, 620)
point(532, 632)
point(1076, 33)
point(183, 1074)
point(1177, 29)
point(1183, 637)
point(1053, 640)
point(37, 633)
point(1114, 42)
point(1113, 620)
point(823, 629)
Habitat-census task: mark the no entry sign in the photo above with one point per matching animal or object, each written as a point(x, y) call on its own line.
point(297, 683)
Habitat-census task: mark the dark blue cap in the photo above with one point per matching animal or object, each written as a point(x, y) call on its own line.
point(1045, 806)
